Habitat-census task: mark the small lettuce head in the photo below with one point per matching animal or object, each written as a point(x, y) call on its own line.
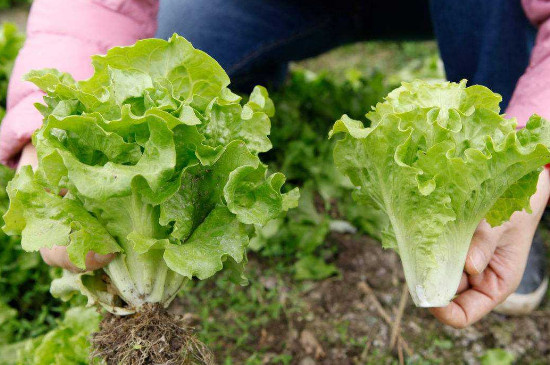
point(160, 161)
point(67, 344)
point(436, 160)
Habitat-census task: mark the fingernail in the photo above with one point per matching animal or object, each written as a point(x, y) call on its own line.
point(102, 259)
point(476, 258)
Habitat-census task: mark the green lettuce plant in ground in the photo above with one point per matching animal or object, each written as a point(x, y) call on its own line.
point(497, 357)
point(67, 344)
point(160, 161)
point(437, 159)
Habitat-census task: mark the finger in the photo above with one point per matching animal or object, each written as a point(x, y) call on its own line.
point(28, 157)
point(507, 264)
point(467, 308)
point(474, 303)
point(58, 256)
point(96, 261)
point(464, 284)
point(482, 248)
point(539, 200)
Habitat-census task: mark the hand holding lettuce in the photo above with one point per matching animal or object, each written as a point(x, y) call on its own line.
point(438, 159)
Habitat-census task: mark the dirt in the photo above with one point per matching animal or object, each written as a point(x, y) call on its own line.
point(362, 259)
point(152, 336)
point(337, 323)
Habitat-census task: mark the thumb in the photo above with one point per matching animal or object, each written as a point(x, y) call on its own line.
point(28, 157)
point(57, 256)
point(483, 246)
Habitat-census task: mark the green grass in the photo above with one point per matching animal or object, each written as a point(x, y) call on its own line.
point(231, 317)
point(398, 61)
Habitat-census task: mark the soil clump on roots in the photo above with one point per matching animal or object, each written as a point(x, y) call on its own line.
point(151, 336)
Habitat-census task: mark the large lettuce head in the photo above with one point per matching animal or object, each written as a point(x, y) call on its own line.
point(437, 159)
point(160, 163)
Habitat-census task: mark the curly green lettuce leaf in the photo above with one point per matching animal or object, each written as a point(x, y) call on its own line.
point(80, 147)
point(219, 238)
point(151, 74)
point(256, 199)
point(437, 160)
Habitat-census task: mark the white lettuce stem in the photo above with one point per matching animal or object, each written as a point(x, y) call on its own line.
point(434, 282)
point(143, 278)
point(153, 284)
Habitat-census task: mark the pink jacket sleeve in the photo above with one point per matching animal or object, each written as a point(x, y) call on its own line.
point(63, 34)
point(532, 93)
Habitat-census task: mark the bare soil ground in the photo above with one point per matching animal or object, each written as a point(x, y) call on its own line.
point(341, 321)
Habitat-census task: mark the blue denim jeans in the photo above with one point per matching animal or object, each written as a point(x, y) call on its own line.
point(487, 42)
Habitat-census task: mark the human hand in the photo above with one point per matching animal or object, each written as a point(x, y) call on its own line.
point(57, 255)
point(495, 263)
